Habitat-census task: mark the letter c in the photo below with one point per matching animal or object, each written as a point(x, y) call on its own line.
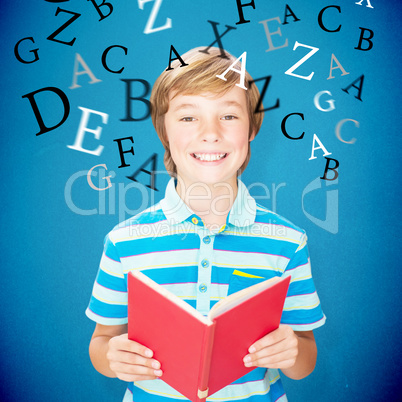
point(284, 128)
point(338, 130)
point(320, 20)
point(105, 53)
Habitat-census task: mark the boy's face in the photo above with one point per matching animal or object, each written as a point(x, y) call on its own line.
point(208, 135)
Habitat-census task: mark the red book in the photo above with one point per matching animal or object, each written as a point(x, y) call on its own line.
point(200, 355)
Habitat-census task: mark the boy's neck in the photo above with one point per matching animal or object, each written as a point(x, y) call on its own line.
point(211, 202)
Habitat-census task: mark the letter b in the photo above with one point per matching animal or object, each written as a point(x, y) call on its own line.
point(362, 38)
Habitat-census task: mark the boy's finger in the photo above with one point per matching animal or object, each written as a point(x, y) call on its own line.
point(269, 355)
point(135, 358)
point(135, 347)
point(270, 339)
point(133, 369)
point(132, 378)
point(276, 361)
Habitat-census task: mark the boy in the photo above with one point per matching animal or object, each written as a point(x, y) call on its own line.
point(206, 227)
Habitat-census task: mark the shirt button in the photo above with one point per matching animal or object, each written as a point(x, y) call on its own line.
point(202, 288)
point(194, 220)
point(205, 263)
point(206, 240)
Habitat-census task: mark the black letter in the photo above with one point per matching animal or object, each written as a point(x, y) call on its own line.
point(62, 96)
point(104, 59)
point(240, 9)
point(283, 128)
point(262, 94)
point(362, 38)
point(34, 51)
point(328, 168)
point(121, 152)
point(152, 174)
point(359, 88)
point(291, 13)
point(183, 64)
point(69, 22)
point(218, 39)
point(320, 20)
point(102, 16)
point(140, 98)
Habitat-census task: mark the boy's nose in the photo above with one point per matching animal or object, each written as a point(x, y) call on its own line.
point(210, 132)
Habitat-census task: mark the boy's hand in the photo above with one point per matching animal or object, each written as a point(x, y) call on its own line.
point(131, 361)
point(279, 349)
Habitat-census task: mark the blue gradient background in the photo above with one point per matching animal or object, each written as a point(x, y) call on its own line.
point(50, 254)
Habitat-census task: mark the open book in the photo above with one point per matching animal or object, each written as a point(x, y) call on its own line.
point(200, 355)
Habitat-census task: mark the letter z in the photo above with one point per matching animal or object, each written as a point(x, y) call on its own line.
point(301, 61)
point(149, 27)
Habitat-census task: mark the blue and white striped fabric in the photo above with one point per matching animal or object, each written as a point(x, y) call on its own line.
point(171, 245)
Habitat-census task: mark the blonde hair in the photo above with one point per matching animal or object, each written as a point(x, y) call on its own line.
point(199, 76)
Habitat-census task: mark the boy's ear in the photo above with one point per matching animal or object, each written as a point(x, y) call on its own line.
point(252, 136)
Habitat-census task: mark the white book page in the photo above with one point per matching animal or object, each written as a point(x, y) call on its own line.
point(169, 295)
point(237, 298)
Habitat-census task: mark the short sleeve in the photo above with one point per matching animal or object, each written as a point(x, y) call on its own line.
point(302, 310)
point(108, 303)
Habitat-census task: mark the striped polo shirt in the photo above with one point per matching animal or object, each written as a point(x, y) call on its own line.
point(171, 245)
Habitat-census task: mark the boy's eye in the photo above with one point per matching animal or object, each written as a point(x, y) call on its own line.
point(229, 117)
point(187, 118)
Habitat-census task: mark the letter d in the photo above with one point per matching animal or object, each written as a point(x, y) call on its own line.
point(66, 106)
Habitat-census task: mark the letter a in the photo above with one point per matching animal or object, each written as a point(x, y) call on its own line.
point(291, 13)
point(80, 60)
point(152, 185)
point(320, 146)
point(339, 65)
point(183, 64)
point(242, 72)
point(359, 88)
point(368, 3)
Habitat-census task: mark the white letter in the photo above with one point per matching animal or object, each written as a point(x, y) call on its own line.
point(150, 23)
point(80, 60)
point(242, 72)
point(315, 138)
point(83, 128)
point(368, 3)
point(300, 62)
point(317, 104)
point(338, 130)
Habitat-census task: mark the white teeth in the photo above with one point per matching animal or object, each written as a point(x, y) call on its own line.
point(209, 157)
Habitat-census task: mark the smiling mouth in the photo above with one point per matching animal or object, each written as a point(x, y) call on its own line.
point(209, 157)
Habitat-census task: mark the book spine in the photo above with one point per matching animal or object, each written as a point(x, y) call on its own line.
point(205, 365)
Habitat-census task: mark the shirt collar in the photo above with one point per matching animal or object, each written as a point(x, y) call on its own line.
point(244, 209)
point(242, 213)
